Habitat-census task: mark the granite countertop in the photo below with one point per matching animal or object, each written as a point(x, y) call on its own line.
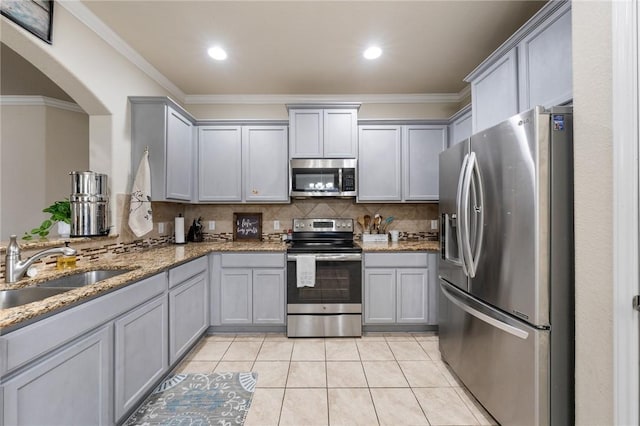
point(402, 245)
point(143, 264)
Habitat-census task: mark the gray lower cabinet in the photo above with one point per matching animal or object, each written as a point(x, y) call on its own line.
point(236, 296)
point(141, 355)
point(399, 288)
point(91, 364)
point(188, 306)
point(73, 386)
point(251, 289)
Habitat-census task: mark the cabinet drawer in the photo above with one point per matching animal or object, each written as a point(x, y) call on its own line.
point(396, 260)
point(32, 341)
point(253, 260)
point(182, 273)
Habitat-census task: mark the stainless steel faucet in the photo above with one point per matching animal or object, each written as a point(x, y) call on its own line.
point(15, 268)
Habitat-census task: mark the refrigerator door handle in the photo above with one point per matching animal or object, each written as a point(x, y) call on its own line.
point(463, 216)
point(522, 334)
point(459, 213)
point(478, 209)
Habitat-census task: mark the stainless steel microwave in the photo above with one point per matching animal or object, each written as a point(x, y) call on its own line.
point(323, 177)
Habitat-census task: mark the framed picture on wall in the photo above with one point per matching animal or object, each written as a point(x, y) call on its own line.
point(247, 227)
point(35, 16)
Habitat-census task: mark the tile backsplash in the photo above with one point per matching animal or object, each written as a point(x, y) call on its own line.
point(409, 218)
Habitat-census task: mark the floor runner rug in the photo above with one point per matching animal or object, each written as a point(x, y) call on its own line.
point(198, 399)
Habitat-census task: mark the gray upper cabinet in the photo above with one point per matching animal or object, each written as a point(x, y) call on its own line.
point(461, 126)
point(265, 164)
point(533, 67)
point(220, 164)
point(379, 163)
point(544, 62)
point(421, 146)
point(243, 164)
point(399, 162)
point(323, 132)
point(494, 93)
point(168, 132)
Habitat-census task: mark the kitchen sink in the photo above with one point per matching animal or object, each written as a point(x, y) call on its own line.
point(82, 279)
point(22, 296)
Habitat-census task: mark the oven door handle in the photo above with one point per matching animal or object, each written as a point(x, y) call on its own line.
point(320, 257)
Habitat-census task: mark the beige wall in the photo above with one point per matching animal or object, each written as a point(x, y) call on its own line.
point(98, 79)
point(40, 145)
point(593, 206)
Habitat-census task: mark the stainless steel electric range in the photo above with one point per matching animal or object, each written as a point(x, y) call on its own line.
point(324, 279)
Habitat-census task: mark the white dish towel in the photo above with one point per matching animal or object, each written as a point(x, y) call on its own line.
point(140, 215)
point(305, 270)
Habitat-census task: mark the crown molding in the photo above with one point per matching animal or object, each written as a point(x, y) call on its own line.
point(320, 99)
point(88, 18)
point(10, 100)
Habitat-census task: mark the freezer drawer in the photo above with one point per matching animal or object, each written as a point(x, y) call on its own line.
point(503, 362)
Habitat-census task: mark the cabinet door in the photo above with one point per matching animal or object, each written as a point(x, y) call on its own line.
point(340, 133)
point(306, 133)
point(494, 93)
point(188, 313)
point(379, 163)
point(72, 387)
point(432, 317)
point(421, 148)
point(179, 156)
point(412, 295)
point(379, 296)
point(268, 296)
point(141, 342)
point(235, 296)
point(544, 62)
point(265, 164)
point(220, 163)
point(461, 128)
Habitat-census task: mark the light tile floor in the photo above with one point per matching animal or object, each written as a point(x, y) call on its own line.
point(385, 379)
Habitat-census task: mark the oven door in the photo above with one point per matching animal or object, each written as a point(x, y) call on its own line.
point(337, 289)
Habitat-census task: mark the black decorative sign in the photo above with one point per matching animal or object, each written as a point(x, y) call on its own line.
point(247, 226)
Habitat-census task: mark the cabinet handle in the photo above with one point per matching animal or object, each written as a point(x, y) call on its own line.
point(254, 192)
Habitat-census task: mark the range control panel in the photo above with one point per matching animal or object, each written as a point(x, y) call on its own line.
point(323, 225)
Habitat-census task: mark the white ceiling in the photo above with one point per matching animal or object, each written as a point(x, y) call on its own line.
point(314, 47)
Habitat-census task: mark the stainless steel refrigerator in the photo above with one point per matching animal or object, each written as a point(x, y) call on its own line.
point(506, 269)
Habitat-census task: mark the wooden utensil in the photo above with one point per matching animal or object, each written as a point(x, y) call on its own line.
point(360, 221)
point(367, 223)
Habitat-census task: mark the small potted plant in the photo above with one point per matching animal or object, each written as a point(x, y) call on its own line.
point(61, 214)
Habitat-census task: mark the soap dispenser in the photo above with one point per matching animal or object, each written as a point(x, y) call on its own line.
point(66, 262)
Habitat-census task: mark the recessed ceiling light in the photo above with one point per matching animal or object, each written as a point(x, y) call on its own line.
point(372, 52)
point(217, 53)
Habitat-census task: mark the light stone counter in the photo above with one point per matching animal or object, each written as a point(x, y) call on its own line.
point(402, 245)
point(144, 264)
